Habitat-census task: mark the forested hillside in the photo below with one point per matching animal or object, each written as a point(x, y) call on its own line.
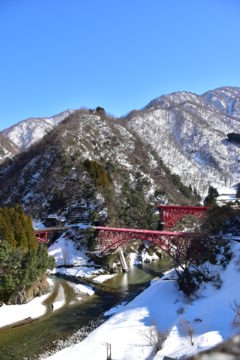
point(92, 168)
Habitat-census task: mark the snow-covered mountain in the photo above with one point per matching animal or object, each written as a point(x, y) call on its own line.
point(225, 99)
point(29, 131)
point(189, 132)
point(53, 176)
point(7, 149)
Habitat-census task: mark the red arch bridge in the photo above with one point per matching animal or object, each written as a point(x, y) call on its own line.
point(110, 239)
point(171, 214)
point(113, 238)
point(171, 242)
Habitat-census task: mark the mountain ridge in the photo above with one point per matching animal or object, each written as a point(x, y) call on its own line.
point(28, 131)
point(187, 131)
point(191, 137)
point(91, 162)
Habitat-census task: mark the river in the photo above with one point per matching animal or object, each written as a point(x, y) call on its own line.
point(27, 341)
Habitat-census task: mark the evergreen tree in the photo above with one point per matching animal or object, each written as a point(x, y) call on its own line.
point(10, 269)
point(19, 232)
point(22, 261)
point(32, 241)
point(211, 197)
point(30, 271)
point(6, 232)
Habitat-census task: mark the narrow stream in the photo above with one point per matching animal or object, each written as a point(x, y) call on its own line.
point(29, 340)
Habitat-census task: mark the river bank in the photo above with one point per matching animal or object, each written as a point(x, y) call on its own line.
point(186, 325)
point(75, 319)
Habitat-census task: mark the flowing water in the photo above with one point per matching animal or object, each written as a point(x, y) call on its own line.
point(27, 340)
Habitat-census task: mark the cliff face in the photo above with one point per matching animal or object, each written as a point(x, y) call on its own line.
point(39, 288)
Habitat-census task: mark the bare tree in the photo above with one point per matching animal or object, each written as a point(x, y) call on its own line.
point(187, 329)
point(236, 309)
point(156, 338)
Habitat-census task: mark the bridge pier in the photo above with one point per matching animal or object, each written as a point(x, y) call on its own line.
point(122, 260)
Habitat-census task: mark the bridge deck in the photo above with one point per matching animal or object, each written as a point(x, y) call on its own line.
point(53, 228)
point(143, 231)
point(180, 207)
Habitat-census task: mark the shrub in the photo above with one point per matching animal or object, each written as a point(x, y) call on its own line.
point(187, 329)
point(233, 137)
point(194, 261)
point(187, 283)
point(216, 218)
point(100, 111)
point(156, 338)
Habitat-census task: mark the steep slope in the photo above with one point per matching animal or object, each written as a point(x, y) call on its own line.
point(29, 131)
point(225, 99)
point(7, 149)
point(189, 133)
point(161, 323)
point(94, 166)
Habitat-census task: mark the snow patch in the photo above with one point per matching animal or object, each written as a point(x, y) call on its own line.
point(60, 299)
point(81, 289)
point(65, 252)
point(102, 278)
point(10, 314)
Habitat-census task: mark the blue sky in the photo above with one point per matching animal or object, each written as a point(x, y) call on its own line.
point(119, 54)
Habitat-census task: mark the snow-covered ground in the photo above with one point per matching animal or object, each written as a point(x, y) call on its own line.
point(226, 194)
point(60, 299)
point(209, 316)
point(65, 252)
point(115, 309)
point(10, 314)
point(81, 289)
point(38, 224)
point(102, 278)
point(78, 271)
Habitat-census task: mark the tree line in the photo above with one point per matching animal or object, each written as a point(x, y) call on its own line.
point(22, 259)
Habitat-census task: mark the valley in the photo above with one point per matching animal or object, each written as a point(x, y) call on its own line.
point(97, 180)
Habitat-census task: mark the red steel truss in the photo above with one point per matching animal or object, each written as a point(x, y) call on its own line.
point(171, 214)
point(41, 236)
point(169, 241)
